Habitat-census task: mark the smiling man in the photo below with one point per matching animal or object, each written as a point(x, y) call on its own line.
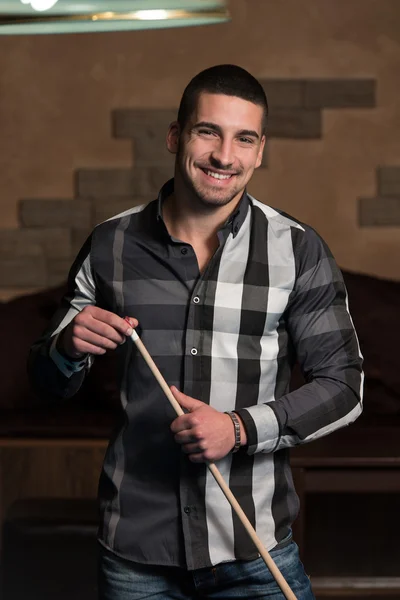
point(229, 293)
point(216, 155)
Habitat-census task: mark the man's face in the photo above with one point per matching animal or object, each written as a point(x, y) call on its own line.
point(219, 148)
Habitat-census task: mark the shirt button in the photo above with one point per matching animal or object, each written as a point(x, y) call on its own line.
point(193, 351)
point(187, 510)
point(196, 299)
point(184, 251)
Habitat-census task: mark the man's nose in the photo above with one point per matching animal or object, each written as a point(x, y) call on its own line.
point(223, 154)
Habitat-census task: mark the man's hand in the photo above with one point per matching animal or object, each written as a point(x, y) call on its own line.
point(94, 331)
point(205, 433)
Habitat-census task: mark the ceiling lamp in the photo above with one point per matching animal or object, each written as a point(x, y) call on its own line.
point(19, 17)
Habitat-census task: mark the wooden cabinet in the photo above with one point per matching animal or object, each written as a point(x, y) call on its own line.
point(49, 468)
point(348, 528)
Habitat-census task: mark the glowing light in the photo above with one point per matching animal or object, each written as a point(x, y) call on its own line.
point(152, 15)
point(25, 17)
point(40, 5)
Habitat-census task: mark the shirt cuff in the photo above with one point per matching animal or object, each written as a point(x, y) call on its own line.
point(262, 428)
point(66, 366)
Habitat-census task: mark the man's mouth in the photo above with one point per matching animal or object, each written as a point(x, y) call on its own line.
point(219, 176)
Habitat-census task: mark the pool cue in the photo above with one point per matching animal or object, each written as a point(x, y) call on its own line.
point(280, 580)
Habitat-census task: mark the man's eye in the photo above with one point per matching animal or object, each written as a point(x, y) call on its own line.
point(207, 131)
point(246, 140)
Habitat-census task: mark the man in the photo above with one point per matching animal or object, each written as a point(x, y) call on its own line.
point(228, 292)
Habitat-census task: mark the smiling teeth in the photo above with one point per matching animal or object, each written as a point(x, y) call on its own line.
point(218, 175)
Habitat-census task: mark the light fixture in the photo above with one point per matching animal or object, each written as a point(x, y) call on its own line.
point(19, 17)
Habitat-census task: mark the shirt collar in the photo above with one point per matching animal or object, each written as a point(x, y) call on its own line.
point(234, 222)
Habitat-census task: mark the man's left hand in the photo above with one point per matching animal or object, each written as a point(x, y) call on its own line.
point(205, 433)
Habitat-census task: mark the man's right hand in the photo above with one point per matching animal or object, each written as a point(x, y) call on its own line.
point(94, 331)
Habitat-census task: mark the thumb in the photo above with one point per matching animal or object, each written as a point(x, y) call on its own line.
point(186, 401)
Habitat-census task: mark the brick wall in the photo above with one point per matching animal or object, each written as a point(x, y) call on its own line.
point(331, 71)
point(51, 231)
point(384, 208)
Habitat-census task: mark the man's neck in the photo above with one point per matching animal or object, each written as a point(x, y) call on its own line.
point(193, 223)
point(189, 221)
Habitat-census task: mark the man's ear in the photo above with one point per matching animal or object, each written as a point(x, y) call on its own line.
point(173, 134)
point(260, 152)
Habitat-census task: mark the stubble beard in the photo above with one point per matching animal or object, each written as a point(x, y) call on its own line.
point(209, 198)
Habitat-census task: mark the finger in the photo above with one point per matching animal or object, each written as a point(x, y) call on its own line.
point(182, 423)
point(193, 448)
point(86, 348)
point(132, 321)
point(197, 458)
point(82, 334)
point(186, 437)
point(185, 401)
point(111, 319)
point(97, 328)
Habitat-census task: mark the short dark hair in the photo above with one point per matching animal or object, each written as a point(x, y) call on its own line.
point(229, 80)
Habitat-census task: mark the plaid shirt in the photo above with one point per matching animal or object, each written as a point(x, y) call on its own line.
point(272, 293)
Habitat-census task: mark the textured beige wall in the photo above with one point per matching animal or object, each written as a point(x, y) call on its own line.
point(57, 93)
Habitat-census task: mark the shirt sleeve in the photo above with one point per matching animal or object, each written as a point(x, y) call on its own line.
point(66, 366)
point(50, 372)
point(325, 343)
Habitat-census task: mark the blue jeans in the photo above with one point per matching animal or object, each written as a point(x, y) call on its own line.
point(121, 579)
